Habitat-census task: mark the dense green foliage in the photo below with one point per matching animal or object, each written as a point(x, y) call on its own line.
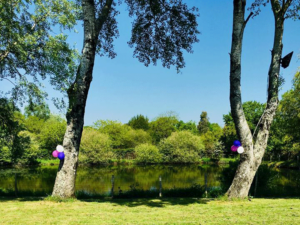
point(31, 51)
point(285, 133)
point(163, 127)
point(283, 143)
point(181, 147)
point(26, 138)
point(161, 30)
point(15, 142)
point(203, 125)
point(52, 134)
point(147, 153)
point(116, 131)
point(253, 111)
point(95, 147)
point(40, 111)
point(139, 122)
point(191, 126)
point(122, 135)
point(23, 139)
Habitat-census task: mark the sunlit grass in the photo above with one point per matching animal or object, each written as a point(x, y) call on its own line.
point(153, 211)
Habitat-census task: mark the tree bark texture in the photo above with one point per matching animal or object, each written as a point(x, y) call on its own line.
point(251, 159)
point(64, 186)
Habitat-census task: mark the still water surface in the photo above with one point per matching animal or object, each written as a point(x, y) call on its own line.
point(97, 180)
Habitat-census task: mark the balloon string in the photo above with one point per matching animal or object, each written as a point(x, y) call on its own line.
point(258, 123)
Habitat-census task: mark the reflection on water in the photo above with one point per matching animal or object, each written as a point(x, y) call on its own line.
point(97, 180)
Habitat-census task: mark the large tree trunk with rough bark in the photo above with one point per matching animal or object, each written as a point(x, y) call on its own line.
point(65, 180)
point(255, 146)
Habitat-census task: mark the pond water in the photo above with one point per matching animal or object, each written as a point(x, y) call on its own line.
point(97, 180)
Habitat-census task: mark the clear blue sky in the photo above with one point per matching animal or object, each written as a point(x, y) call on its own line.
point(123, 87)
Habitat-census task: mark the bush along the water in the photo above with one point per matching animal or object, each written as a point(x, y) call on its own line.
point(181, 147)
point(147, 153)
point(95, 147)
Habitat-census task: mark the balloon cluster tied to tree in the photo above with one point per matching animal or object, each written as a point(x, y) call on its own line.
point(59, 152)
point(237, 147)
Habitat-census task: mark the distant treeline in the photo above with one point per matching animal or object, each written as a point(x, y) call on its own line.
point(25, 138)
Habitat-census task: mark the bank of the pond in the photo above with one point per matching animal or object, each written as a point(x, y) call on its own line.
point(153, 211)
point(285, 164)
point(46, 162)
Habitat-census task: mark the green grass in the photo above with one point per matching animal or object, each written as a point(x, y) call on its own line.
point(48, 161)
point(150, 211)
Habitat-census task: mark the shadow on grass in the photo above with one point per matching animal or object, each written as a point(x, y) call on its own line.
point(155, 202)
point(158, 202)
point(131, 198)
point(21, 199)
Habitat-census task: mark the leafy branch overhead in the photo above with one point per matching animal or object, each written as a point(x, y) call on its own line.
point(161, 30)
point(291, 8)
point(30, 50)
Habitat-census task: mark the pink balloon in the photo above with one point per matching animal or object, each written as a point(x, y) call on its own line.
point(55, 154)
point(234, 148)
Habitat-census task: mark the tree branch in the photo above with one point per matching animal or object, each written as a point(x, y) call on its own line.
point(276, 8)
point(286, 6)
point(39, 20)
point(237, 111)
point(265, 122)
point(246, 21)
point(16, 69)
point(3, 56)
point(103, 15)
point(9, 81)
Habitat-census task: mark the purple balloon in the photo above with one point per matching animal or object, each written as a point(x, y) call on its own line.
point(61, 155)
point(55, 153)
point(234, 148)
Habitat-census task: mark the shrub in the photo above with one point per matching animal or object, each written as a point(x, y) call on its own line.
point(181, 147)
point(162, 127)
point(147, 153)
point(95, 147)
point(126, 153)
point(134, 138)
point(52, 133)
point(116, 131)
point(5, 155)
point(31, 149)
point(139, 122)
point(122, 135)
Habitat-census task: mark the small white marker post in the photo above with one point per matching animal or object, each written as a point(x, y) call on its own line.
point(160, 187)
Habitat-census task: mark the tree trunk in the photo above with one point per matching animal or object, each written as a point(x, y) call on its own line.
point(252, 157)
point(65, 180)
point(64, 186)
point(243, 177)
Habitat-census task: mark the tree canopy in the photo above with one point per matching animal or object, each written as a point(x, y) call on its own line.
point(139, 122)
point(203, 125)
point(31, 51)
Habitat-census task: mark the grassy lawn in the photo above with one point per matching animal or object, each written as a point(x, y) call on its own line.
point(145, 211)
